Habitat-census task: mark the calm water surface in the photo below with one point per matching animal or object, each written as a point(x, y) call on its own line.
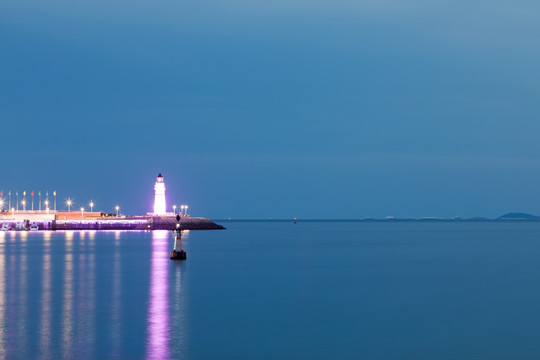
point(275, 290)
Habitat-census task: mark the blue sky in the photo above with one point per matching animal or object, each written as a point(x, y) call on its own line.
point(291, 108)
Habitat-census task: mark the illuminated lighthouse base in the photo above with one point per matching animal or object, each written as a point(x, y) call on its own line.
point(160, 207)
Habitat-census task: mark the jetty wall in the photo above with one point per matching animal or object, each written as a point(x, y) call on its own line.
point(122, 223)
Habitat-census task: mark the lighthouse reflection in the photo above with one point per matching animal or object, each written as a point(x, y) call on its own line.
point(158, 312)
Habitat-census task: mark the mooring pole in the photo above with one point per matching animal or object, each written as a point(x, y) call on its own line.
point(175, 254)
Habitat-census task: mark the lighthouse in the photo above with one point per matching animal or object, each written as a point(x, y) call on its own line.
point(159, 200)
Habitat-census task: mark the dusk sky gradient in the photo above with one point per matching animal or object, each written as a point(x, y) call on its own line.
point(257, 109)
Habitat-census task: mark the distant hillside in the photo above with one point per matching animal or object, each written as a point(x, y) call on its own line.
point(518, 216)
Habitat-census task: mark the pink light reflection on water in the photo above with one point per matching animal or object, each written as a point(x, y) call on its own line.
point(158, 313)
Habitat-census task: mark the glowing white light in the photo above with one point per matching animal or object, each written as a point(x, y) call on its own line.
point(159, 200)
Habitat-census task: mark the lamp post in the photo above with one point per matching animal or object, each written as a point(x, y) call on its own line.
point(82, 213)
point(39, 198)
point(23, 204)
point(46, 202)
point(91, 205)
point(174, 209)
point(17, 195)
point(68, 203)
point(186, 209)
point(117, 210)
point(32, 193)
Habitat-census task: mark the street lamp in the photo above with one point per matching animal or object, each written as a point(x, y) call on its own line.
point(174, 209)
point(69, 202)
point(24, 205)
point(91, 205)
point(186, 209)
point(117, 210)
point(82, 213)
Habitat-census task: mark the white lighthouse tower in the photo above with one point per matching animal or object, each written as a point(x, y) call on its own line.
point(159, 200)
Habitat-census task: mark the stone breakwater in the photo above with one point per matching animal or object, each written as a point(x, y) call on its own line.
point(197, 223)
point(124, 223)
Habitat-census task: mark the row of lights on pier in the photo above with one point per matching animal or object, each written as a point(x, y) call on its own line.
point(23, 202)
point(69, 203)
point(183, 209)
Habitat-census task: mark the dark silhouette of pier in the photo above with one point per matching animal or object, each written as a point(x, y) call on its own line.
point(122, 223)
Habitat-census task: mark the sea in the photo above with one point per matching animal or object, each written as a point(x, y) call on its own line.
point(275, 290)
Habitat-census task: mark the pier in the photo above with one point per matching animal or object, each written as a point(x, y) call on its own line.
point(55, 222)
point(47, 219)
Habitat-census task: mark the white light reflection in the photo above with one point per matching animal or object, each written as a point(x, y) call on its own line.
point(158, 312)
point(79, 301)
point(47, 238)
point(67, 308)
point(22, 300)
point(91, 298)
point(178, 313)
point(46, 310)
point(116, 318)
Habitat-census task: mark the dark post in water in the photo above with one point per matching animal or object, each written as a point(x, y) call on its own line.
point(178, 255)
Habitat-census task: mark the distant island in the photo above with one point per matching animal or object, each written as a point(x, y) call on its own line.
point(518, 216)
point(511, 216)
